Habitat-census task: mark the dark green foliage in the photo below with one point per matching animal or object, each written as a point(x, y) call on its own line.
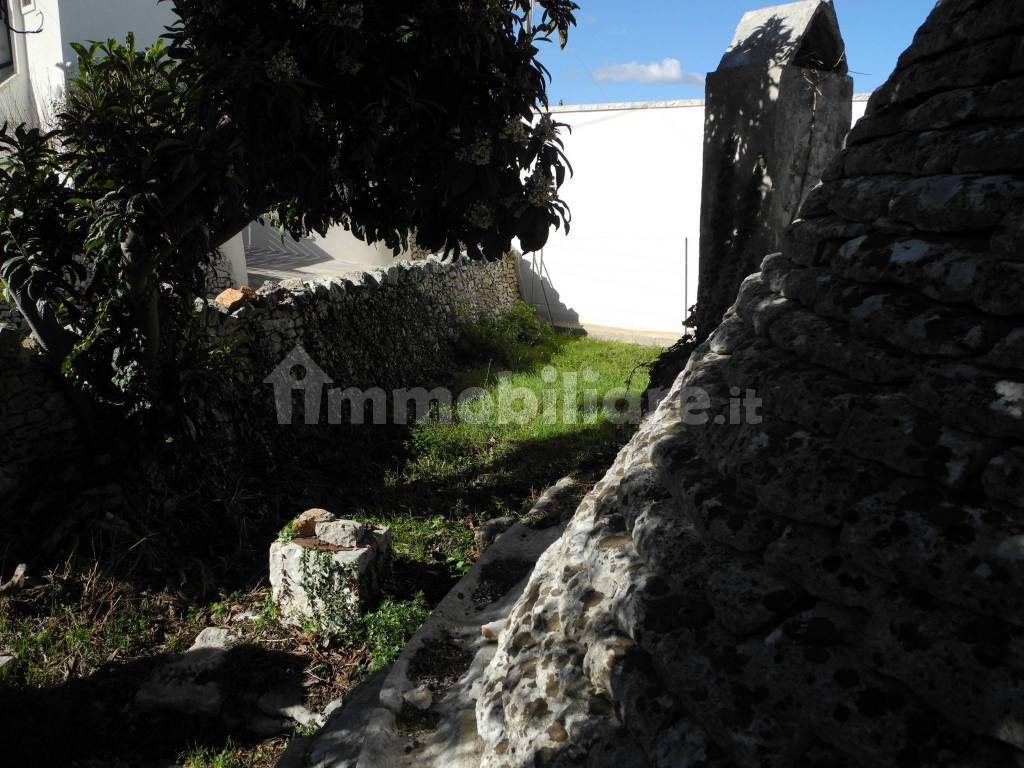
point(389, 628)
point(386, 118)
point(504, 340)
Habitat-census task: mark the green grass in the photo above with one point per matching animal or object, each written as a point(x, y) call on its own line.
point(205, 757)
point(76, 622)
point(460, 468)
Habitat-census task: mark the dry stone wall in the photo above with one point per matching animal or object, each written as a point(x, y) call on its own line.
point(395, 327)
point(392, 327)
point(842, 583)
point(36, 422)
point(10, 316)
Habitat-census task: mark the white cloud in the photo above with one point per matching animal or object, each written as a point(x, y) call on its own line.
point(664, 71)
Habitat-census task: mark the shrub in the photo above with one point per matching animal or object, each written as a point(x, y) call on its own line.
point(501, 340)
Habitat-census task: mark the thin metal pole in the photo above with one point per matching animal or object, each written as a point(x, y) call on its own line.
point(539, 271)
point(686, 277)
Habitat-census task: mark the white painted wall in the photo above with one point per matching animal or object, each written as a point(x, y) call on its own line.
point(635, 200)
point(83, 21)
point(49, 55)
point(233, 254)
point(860, 104)
point(16, 105)
point(635, 196)
point(45, 60)
point(344, 246)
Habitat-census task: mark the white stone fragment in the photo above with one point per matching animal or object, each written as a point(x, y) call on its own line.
point(493, 630)
point(420, 698)
point(304, 526)
point(176, 687)
point(217, 638)
point(341, 533)
point(332, 707)
point(287, 703)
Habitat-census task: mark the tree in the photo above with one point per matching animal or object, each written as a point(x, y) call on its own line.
point(386, 118)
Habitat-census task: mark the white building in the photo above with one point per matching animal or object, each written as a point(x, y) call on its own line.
point(37, 60)
point(37, 73)
point(629, 262)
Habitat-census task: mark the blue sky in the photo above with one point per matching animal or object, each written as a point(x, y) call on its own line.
point(677, 41)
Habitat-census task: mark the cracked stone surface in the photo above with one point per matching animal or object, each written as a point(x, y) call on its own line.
point(840, 583)
point(421, 712)
point(186, 684)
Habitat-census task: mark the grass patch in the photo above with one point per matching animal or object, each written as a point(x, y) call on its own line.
point(205, 757)
point(71, 625)
point(544, 410)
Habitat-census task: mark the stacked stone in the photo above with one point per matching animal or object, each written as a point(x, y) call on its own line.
point(395, 327)
point(37, 425)
point(841, 584)
point(10, 316)
point(388, 328)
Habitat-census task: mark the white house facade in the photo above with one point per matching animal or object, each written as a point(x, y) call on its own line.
point(43, 57)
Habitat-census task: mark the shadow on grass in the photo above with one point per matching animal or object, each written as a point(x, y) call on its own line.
point(93, 722)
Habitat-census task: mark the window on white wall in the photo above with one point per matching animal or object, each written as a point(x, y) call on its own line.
point(6, 48)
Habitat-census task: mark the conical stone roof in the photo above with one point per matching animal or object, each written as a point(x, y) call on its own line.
point(842, 582)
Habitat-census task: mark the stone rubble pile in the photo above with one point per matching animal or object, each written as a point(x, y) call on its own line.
point(842, 582)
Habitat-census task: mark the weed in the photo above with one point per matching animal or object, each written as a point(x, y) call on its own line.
point(431, 485)
point(333, 592)
point(205, 757)
point(287, 533)
point(305, 730)
point(389, 628)
point(72, 624)
point(507, 340)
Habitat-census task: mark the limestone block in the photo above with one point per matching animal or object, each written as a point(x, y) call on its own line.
point(490, 530)
point(808, 556)
point(970, 556)
point(234, 298)
point(490, 632)
point(826, 343)
point(312, 579)
point(719, 514)
point(746, 598)
point(958, 661)
point(341, 533)
point(1004, 477)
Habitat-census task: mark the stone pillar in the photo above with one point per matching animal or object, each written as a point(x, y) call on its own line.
point(778, 109)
